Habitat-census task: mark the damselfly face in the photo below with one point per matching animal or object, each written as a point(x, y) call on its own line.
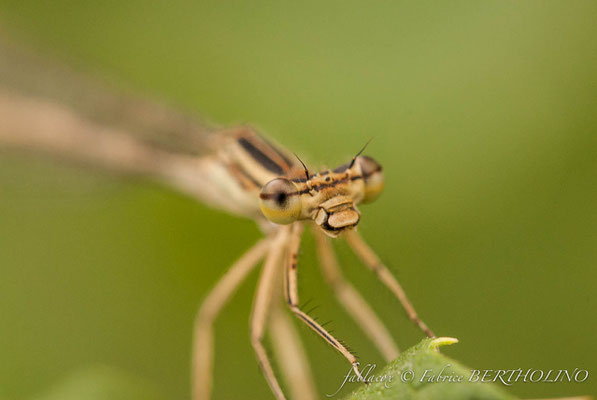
point(329, 198)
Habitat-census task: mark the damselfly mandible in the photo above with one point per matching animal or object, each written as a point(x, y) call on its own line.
point(237, 170)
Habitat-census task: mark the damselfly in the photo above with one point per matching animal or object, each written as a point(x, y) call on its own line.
point(237, 170)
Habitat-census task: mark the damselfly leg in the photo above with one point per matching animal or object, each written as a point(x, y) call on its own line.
point(203, 340)
point(261, 304)
point(352, 301)
point(292, 298)
point(370, 259)
point(290, 354)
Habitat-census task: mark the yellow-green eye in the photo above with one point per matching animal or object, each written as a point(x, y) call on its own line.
point(373, 177)
point(280, 202)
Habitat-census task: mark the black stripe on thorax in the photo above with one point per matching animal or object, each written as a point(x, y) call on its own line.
point(250, 178)
point(278, 152)
point(260, 157)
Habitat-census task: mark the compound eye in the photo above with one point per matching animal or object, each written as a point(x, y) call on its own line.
point(280, 202)
point(373, 177)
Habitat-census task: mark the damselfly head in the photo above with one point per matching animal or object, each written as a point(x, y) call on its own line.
point(329, 198)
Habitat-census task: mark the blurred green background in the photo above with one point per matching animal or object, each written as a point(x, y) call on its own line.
point(484, 115)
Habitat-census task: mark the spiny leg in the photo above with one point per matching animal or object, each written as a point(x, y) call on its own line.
point(370, 259)
point(211, 306)
point(352, 301)
point(261, 305)
point(292, 298)
point(291, 356)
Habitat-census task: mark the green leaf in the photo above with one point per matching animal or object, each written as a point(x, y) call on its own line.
point(410, 375)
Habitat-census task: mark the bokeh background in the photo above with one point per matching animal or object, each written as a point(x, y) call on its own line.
point(484, 115)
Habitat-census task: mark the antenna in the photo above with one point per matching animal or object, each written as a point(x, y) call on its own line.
point(354, 159)
point(304, 166)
